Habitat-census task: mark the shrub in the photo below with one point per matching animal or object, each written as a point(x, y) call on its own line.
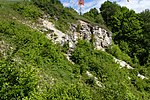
point(74, 91)
point(115, 51)
point(27, 9)
point(17, 81)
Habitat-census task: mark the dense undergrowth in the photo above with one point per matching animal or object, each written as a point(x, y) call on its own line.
point(34, 68)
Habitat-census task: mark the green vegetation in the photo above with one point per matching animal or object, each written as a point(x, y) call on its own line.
point(27, 9)
point(30, 48)
point(61, 16)
point(94, 16)
point(127, 30)
point(144, 18)
point(115, 82)
point(116, 52)
point(17, 81)
point(34, 68)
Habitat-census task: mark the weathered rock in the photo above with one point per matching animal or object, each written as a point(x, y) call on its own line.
point(101, 38)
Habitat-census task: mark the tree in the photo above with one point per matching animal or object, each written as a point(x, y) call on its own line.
point(108, 10)
point(145, 18)
point(94, 16)
point(126, 28)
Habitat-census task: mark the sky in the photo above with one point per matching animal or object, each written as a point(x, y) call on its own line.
point(136, 5)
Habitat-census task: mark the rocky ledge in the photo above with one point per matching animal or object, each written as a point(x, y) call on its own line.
point(82, 30)
point(99, 36)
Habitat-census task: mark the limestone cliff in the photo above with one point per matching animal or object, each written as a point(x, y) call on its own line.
point(100, 37)
point(82, 30)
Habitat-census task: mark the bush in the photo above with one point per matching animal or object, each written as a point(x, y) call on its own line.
point(17, 81)
point(116, 52)
point(102, 66)
point(27, 9)
point(74, 91)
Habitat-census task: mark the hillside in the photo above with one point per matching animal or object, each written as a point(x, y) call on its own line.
point(49, 52)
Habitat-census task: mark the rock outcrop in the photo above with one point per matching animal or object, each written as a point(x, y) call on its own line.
point(100, 37)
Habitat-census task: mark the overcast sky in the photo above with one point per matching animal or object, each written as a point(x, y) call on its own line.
point(136, 5)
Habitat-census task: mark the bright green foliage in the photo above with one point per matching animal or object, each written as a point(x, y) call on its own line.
point(27, 9)
point(50, 6)
point(67, 91)
point(115, 82)
point(33, 49)
point(126, 28)
point(17, 81)
point(116, 52)
point(61, 15)
point(34, 68)
point(32, 46)
point(94, 16)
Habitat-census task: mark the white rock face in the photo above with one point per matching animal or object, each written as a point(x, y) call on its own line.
point(102, 38)
point(123, 63)
point(87, 32)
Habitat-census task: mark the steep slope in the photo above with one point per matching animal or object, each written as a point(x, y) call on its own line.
point(33, 63)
